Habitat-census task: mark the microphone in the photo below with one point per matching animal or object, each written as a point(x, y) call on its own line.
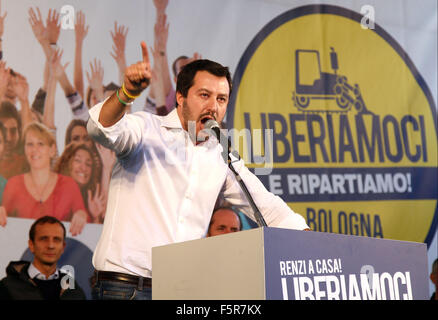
point(223, 140)
point(213, 125)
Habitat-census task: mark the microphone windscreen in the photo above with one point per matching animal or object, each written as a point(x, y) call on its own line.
point(211, 124)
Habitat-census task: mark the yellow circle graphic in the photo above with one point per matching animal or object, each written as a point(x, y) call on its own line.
point(337, 121)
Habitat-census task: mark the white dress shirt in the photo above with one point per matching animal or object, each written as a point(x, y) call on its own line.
point(164, 188)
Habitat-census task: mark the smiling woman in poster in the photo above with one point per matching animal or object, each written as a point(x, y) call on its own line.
point(77, 161)
point(41, 191)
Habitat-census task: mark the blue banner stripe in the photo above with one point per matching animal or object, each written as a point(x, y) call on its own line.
point(352, 184)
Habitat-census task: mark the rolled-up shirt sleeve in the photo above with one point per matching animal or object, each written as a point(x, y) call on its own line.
point(274, 210)
point(122, 137)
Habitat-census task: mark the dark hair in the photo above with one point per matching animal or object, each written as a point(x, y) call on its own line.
point(62, 166)
point(435, 266)
point(175, 72)
point(95, 153)
point(8, 110)
point(88, 96)
point(3, 131)
point(110, 87)
point(188, 73)
point(230, 209)
point(74, 123)
point(43, 220)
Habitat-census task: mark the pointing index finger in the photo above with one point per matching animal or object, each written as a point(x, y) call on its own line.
point(144, 52)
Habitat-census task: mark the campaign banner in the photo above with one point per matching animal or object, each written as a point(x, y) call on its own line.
point(327, 266)
point(334, 117)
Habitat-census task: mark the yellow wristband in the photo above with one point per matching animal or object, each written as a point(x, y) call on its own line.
point(127, 94)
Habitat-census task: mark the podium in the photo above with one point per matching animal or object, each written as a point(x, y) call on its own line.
point(280, 264)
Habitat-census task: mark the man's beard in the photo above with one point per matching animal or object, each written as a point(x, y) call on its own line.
point(187, 114)
point(191, 121)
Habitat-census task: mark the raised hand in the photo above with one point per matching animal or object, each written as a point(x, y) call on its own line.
point(4, 79)
point(96, 204)
point(56, 69)
point(53, 26)
point(95, 78)
point(2, 21)
point(78, 222)
point(119, 42)
point(196, 56)
point(138, 76)
point(81, 30)
point(37, 25)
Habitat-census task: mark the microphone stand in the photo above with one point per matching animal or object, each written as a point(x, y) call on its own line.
point(257, 214)
point(213, 125)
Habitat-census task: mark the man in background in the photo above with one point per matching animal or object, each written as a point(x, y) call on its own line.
point(224, 220)
point(41, 279)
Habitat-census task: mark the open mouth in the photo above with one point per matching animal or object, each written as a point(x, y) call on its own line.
point(206, 118)
point(82, 175)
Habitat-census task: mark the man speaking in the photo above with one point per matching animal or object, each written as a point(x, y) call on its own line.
point(167, 179)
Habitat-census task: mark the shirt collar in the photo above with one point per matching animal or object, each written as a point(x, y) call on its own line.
point(171, 120)
point(35, 273)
